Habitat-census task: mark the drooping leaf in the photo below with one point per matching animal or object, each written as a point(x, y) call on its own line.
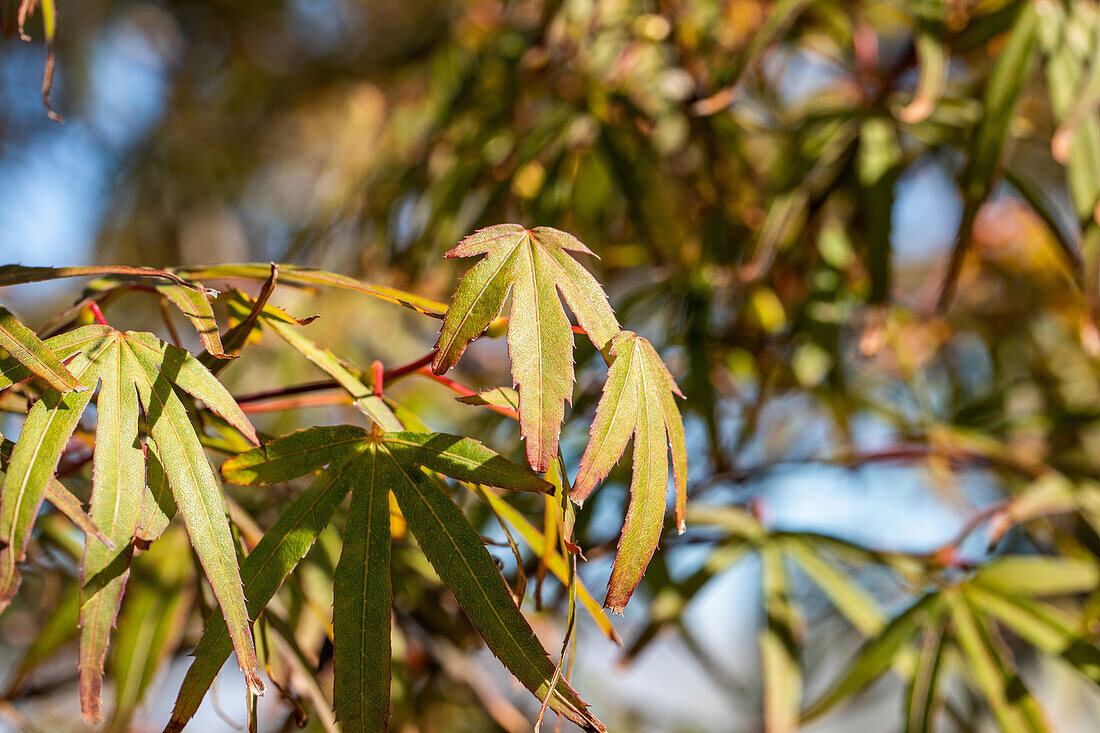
point(33, 461)
point(265, 568)
point(920, 697)
point(29, 350)
point(150, 626)
point(183, 370)
point(198, 498)
point(782, 676)
point(195, 305)
point(505, 397)
point(1042, 625)
point(637, 401)
point(1011, 704)
point(157, 505)
point(535, 265)
point(361, 601)
point(879, 654)
point(376, 464)
point(455, 550)
point(117, 479)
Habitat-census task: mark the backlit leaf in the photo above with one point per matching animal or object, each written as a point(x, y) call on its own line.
point(195, 306)
point(117, 484)
point(26, 348)
point(637, 401)
point(198, 499)
point(535, 265)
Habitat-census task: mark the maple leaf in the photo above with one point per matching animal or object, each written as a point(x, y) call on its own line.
point(535, 265)
point(369, 465)
point(138, 374)
point(637, 401)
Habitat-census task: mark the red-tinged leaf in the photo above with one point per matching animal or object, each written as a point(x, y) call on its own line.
point(198, 499)
point(29, 350)
point(195, 306)
point(34, 459)
point(361, 602)
point(117, 485)
point(637, 401)
point(535, 265)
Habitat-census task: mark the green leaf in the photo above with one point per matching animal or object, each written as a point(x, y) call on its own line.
point(308, 276)
point(263, 571)
point(1047, 628)
point(556, 563)
point(19, 275)
point(1008, 699)
point(34, 459)
point(1009, 75)
point(853, 602)
point(361, 601)
point(29, 350)
point(920, 697)
point(61, 498)
point(294, 455)
point(878, 655)
point(186, 372)
point(1040, 575)
point(151, 625)
point(778, 639)
point(637, 400)
point(455, 550)
point(117, 484)
point(465, 459)
point(198, 499)
point(195, 306)
point(63, 346)
point(504, 397)
point(535, 265)
point(157, 505)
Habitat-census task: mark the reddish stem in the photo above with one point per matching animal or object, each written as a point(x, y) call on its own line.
point(379, 377)
point(98, 313)
point(465, 391)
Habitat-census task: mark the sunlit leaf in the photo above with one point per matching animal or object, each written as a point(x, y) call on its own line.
point(535, 265)
point(34, 459)
point(195, 306)
point(26, 348)
point(117, 481)
point(637, 401)
point(198, 498)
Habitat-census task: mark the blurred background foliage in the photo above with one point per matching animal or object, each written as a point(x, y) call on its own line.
point(863, 235)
